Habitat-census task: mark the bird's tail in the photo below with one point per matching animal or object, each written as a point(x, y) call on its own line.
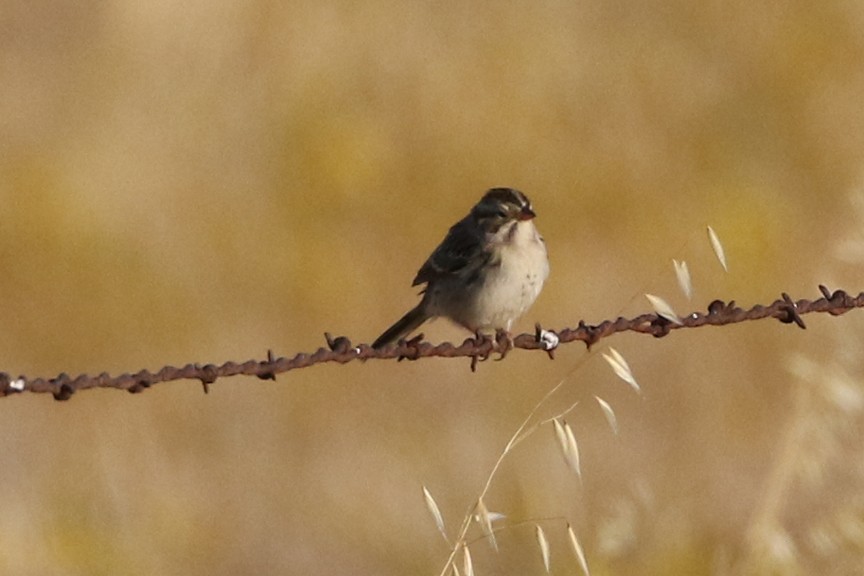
point(404, 326)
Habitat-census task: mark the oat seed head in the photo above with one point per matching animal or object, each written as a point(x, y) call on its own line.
point(621, 368)
point(485, 521)
point(662, 308)
point(544, 545)
point(569, 448)
point(467, 564)
point(717, 247)
point(572, 453)
point(577, 550)
point(608, 413)
point(560, 436)
point(682, 273)
point(435, 511)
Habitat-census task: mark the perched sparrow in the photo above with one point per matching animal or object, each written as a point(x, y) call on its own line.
point(486, 273)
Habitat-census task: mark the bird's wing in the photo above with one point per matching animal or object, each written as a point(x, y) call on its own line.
point(462, 252)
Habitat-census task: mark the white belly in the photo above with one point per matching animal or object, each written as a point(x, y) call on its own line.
point(507, 289)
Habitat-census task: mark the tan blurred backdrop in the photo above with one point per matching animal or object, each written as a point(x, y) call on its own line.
point(202, 181)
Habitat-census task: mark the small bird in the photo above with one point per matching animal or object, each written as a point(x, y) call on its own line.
point(486, 272)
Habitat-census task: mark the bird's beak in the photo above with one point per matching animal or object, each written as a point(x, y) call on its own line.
point(526, 213)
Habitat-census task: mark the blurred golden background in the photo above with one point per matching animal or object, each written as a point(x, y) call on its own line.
point(200, 182)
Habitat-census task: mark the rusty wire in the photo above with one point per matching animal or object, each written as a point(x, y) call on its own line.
point(341, 349)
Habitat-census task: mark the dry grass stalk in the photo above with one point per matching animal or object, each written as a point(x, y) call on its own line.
point(524, 430)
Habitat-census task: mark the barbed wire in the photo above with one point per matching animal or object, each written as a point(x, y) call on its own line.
point(340, 349)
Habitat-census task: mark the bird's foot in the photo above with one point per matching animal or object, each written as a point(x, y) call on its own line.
point(504, 341)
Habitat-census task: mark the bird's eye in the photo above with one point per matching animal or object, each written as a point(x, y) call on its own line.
point(502, 212)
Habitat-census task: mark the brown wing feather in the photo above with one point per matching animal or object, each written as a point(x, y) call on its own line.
point(462, 252)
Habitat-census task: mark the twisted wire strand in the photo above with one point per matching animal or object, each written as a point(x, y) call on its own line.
point(341, 350)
